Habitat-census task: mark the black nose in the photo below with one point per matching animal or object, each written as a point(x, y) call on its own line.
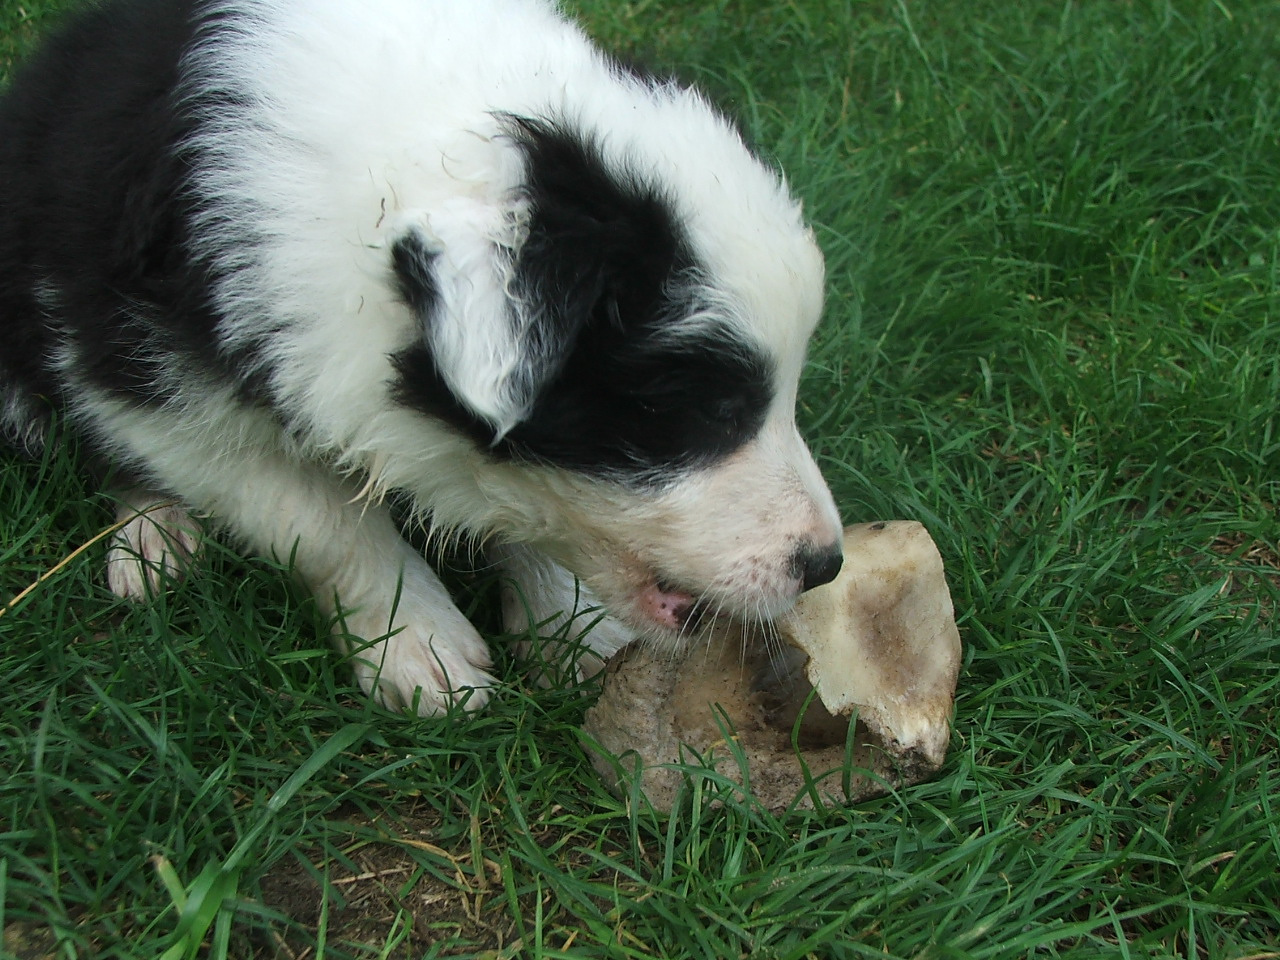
point(815, 566)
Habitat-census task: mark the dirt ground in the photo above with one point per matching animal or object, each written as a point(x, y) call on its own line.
point(385, 890)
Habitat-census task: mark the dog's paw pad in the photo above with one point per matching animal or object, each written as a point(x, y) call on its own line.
point(155, 545)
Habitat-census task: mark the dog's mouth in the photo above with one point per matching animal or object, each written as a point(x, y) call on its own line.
point(668, 606)
point(644, 593)
point(683, 612)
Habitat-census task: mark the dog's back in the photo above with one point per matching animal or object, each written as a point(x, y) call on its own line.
point(91, 210)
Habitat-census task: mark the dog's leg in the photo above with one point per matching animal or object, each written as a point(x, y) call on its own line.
point(410, 646)
point(158, 542)
point(541, 597)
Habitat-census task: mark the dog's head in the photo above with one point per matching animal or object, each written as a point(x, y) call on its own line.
point(621, 343)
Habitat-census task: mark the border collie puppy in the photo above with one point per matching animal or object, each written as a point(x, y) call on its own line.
point(275, 259)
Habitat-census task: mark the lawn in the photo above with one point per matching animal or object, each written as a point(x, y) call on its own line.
point(1052, 336)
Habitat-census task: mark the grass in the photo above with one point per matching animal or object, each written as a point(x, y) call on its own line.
point(1053, 239)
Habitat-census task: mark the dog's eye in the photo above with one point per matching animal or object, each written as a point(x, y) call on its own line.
point(725, 414)
point(726, 411)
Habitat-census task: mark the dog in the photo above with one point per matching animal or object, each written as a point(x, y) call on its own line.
point(276, 261)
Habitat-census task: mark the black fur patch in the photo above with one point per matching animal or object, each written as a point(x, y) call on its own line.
point(636, 408)
point(94, 236)
point(609, 262)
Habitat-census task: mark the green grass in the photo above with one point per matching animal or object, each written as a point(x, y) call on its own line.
point(1053, 239)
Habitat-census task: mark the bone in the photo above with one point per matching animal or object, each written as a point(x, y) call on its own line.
point(849, 696)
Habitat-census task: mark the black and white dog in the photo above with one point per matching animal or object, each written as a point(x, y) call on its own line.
point(275, 259)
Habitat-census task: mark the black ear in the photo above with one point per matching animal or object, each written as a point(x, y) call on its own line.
point(602, 248)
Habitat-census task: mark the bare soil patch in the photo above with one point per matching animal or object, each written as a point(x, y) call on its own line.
point(387, 886)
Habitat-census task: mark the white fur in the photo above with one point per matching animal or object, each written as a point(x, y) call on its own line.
point(155, 544)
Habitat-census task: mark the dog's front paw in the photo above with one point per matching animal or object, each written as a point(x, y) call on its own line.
point(158, 542)
point(416, 669)
point(423, 655)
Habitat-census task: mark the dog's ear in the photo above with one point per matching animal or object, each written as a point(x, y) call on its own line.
point(580, 257)
point(458, 366)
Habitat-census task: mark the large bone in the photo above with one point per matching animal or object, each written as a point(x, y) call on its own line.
point(879, 645)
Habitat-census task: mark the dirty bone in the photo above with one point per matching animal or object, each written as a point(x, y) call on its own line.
point(877, 649)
